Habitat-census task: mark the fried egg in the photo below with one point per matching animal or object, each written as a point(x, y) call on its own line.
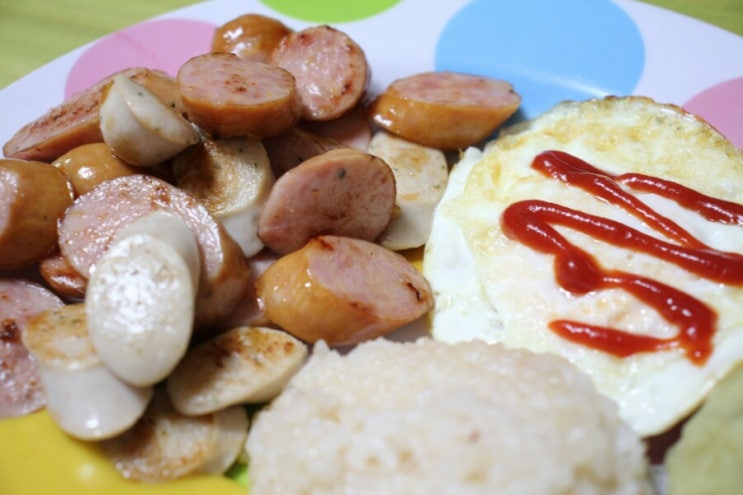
point(489, 284)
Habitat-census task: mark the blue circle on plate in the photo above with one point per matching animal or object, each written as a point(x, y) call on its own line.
point(548, 50)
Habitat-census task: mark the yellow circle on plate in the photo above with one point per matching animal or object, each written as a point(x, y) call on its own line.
point(37, 457)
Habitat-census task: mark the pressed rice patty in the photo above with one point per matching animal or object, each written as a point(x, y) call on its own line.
point(435, 418)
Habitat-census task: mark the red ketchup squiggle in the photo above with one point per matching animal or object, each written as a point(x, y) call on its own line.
point(531, 222)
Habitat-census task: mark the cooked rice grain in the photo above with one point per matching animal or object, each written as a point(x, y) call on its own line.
point(434, 418)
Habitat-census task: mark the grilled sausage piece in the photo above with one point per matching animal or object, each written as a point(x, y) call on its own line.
point(343, 291)
point(75, 121)
point(445, 110)
point(21, 391)
point(33, 197)
point(91, 223)
point(229, 96)
point(341, 192)
point(251, 36)
point(331, 70)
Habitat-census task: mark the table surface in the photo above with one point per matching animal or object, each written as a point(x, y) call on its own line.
point(34, 32)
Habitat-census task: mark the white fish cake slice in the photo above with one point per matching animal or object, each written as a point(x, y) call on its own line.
point(232, 178)
point(84, 397)
point(139, 128)
point(240, 366)
point(166, 445)
point(421, 174)
point(140, 299)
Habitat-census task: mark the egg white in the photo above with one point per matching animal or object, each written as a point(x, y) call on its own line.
point(489, 287)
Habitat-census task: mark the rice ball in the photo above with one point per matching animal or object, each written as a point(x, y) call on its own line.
point(428, 417)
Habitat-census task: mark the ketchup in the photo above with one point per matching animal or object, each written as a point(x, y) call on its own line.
point(531, 222)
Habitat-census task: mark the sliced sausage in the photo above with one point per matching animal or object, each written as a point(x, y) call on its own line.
point(352, 129)
point(343, 291)
point(33, 197)
point(62, 277)
point(331, 70)
point(342, 192)
point(21, 391)
point(291, 148)
point(88, 165)
point(251, 36)
point(229, 96)
point(75, 121)
point(95, 218)
point(445, 110)
point(248, 312)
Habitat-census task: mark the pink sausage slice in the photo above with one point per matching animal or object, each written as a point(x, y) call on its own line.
point(96, 217)
point(291, 148)
point(445, 110)
point(343, 291)
point(229, 96)
point(331, 70)
point(20, 386)
point(75, 121)
point(342, 192)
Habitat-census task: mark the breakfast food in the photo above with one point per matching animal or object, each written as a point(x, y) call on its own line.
point(138, 127)
point(33, 198)
point(251, 36)
point(445, 110)
point(170, 200)
point(21, 391)
point(229, 96)
point(83, 395)
point(232, 178)
point(606, 231)
point(430, 417)
point(166, 445)
point(244, 365)
point(90, 225)
point(420, 180)
point(76, 121)
point(330, 69)
point(343, 291)
point(341, 192)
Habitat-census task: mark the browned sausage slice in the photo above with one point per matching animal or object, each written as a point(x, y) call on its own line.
point(20, 386)
point(330, 68)
point(352, 129)
point(75, 122)
point(343, 291)
point(95, 218)
point(61, 277)
point(445, 110)
point(33, 197)
point(343, 192)
point(251, 36)
point(230, 96)
point(291, 148)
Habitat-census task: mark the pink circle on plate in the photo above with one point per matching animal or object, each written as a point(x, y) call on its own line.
point(718, 104)
point(159, 44)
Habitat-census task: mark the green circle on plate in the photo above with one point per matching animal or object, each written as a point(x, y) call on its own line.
point(329, 11)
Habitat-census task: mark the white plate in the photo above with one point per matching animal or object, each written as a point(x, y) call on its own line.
point(548, 50)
